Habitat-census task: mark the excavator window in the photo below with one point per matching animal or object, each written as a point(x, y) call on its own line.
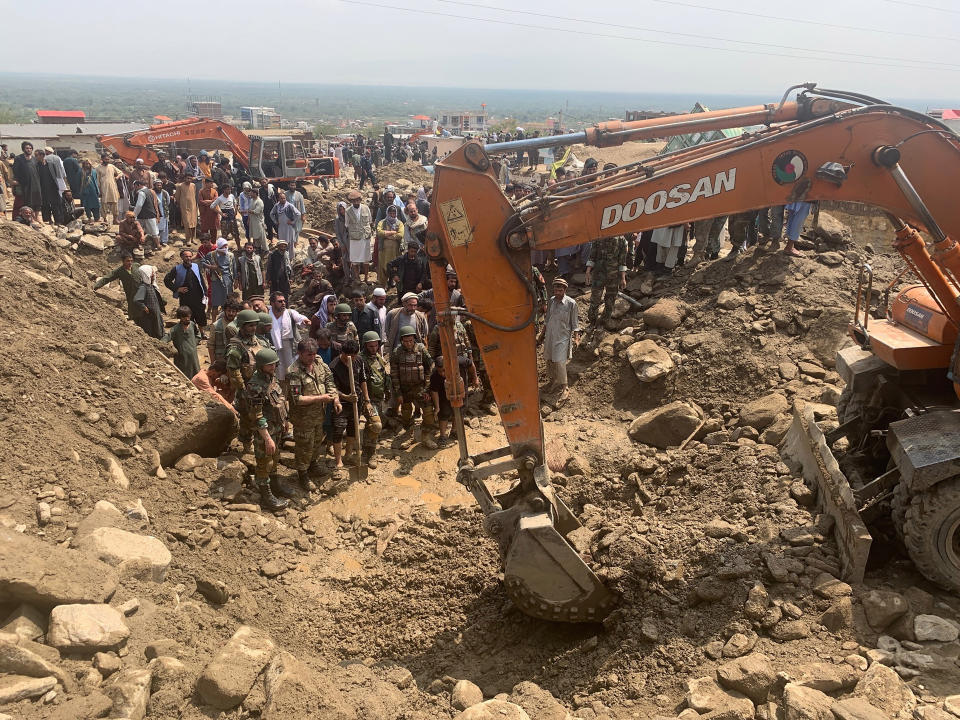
point(293, 155)
point(256, 148)
point(271, 164)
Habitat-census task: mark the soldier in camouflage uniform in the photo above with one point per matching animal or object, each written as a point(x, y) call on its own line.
point(410, 368)
point(263, 329)
point(461, 340)
point(379, 383)
point(310, 387)
point(241, 362)
point(265, 409)
point(608, 267)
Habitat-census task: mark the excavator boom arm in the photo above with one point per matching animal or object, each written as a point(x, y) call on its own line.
point(132, 146)
point(475, 228)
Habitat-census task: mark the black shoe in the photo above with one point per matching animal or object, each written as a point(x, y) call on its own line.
point(304, 481)
point(269, 501)
point(280, 488)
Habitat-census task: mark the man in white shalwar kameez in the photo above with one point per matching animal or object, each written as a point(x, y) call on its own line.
point(560, 332)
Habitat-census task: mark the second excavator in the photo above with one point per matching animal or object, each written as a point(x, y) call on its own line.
point(826, 145)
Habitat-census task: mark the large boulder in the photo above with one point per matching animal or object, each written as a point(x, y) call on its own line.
point(649, 361)
point(665, 314)
point(115, 546)
point(465, 694)
point(205, 429)
point(882, 607)
point(18, 687)
point(291, 689)
point(763, 411)
point(932, 628)
point(81, 628)
point(494, 710)
point(705, 696)
point(753, 675)
point(831, 229)
point(130, 693)
point(104, 514)
point(666, 426)
point(538, 703)
point(23, 661)
point(883, 688)
point(227, 679)
point(45, 575)
point(804, 703)
point(856, 708)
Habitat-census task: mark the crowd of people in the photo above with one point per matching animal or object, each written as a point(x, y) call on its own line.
point(352, 352)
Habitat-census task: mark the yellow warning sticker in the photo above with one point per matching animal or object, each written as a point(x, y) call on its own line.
point(457, 222)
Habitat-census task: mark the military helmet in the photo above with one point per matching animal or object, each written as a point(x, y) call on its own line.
point(370, 336)
point(407, 330)
point(342, 309)
point(266, 356)
point(247, 316)
point(264, 318)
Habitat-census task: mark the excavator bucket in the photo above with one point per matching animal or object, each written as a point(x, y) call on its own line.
point(805, 451)
point(544, 575)
point(546, 578)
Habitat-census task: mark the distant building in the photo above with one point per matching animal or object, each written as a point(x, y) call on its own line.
point(60, 117)
point(463, 122)
point(209, 107)
point(259, 118)
point(634, 115)
point(950, 118)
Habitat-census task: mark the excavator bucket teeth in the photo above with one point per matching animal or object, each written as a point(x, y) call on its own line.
point(546, 578)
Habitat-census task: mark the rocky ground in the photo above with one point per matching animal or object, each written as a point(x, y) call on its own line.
point(138, 577)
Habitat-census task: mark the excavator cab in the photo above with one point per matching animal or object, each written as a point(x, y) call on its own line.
point(286, 158)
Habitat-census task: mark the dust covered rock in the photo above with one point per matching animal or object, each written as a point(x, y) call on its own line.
point(667, 426)
point(762, 412)
point(41, 574)
point(666, 314)
point(86, 627)
point(494, 710)
point(115, 547)
point(228, 677)
point(649, 361)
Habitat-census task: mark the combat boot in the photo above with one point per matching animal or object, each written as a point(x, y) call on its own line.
point(369, 457)
point(280, 488)
point(316, 468)
point(269, 501)
point(305, 483)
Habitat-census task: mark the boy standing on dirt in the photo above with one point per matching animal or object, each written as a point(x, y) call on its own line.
point(185, 335)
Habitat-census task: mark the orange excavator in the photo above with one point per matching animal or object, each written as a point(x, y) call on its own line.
point(900, 411)
point(274, 157)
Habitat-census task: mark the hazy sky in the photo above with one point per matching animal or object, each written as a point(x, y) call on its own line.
point(343, 41)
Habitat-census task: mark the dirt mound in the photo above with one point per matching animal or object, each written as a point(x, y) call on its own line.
point(322, 204)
